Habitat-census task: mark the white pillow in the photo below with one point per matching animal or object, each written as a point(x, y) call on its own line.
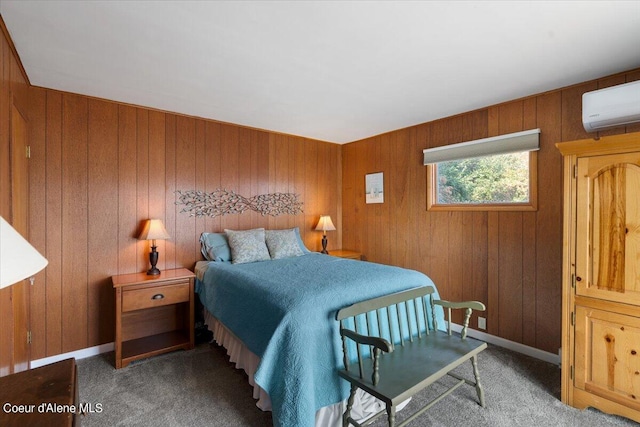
point(283, 243)
point(247, 245)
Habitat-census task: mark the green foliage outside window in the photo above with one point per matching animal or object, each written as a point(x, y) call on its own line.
point(502, 178)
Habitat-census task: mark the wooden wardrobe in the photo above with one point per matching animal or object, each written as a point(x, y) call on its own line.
point(601, 274)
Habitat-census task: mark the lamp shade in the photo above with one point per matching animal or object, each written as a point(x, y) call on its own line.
point(325, 224)
point(18, 259)
point(154, 230)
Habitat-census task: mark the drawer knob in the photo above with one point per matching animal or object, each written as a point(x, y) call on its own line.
point(157, 296)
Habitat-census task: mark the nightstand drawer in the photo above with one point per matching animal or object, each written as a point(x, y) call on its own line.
point(155, 297)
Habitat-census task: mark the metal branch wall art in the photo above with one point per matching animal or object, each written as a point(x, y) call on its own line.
point(224, 202)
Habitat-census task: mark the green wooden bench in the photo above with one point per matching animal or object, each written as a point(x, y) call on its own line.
point(397, 367)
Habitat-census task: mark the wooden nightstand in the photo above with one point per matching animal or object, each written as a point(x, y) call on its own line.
point(346, 254)
point(154, 314)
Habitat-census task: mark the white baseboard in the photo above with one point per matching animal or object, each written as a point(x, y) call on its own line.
point(78, 354)
point(491, 339)
point(511, 345)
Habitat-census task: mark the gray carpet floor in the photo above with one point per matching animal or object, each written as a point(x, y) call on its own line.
point(202, 388)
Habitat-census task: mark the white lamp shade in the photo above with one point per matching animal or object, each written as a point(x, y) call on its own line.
point(154, 230)
point(325, 224)
point(18, 259)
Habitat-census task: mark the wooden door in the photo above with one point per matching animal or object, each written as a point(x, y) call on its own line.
point(608, 355)
point(20, 221)
point(608, 227)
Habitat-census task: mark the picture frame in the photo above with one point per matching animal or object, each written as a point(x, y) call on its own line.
point(374, 188)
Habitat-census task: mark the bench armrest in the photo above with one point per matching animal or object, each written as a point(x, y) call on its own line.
point(474, 305)
point(468, 307)
point(376, 342)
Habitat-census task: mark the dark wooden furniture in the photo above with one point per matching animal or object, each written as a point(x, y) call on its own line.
point(45, 396)
point(154, 314)
point(396, 356)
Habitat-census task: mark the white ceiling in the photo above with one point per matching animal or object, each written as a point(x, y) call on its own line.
point(334, 71)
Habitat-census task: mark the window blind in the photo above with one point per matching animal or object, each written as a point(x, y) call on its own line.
point(528, 140)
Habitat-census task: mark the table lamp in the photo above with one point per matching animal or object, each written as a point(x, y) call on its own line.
point(18, 259)
point(153, 230)
point(325, 224)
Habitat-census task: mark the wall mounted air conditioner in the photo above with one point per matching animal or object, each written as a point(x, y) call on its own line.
point(611, 107)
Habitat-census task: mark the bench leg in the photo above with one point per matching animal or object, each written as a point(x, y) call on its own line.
point(476, 374)
point(347, 412)
point(391, 415)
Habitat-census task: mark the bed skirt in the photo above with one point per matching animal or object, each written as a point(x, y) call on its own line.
point(364, 406)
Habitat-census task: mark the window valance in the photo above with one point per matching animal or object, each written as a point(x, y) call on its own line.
point(527, 140)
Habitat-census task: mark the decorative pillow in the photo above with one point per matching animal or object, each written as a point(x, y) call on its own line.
point(247, 245)
point(215, 247)
point(304, 249)
point(282, 243)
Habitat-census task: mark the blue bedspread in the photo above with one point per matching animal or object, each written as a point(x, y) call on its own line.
point(284, 312)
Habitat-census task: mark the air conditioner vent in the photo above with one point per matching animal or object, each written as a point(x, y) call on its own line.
point(611, 107)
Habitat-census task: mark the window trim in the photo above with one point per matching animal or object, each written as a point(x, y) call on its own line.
point(531, 205)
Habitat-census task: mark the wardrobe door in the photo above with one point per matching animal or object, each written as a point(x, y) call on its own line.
point(608, 227)
point(607, 362)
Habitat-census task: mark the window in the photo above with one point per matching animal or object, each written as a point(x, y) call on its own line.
point(489, 174)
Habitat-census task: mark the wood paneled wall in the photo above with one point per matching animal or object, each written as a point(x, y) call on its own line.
point(100, 168)
point(511, 261)
point(13, 91)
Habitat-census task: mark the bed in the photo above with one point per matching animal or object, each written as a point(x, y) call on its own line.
point(282, 312)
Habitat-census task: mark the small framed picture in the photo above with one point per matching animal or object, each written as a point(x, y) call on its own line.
point(374, 188)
